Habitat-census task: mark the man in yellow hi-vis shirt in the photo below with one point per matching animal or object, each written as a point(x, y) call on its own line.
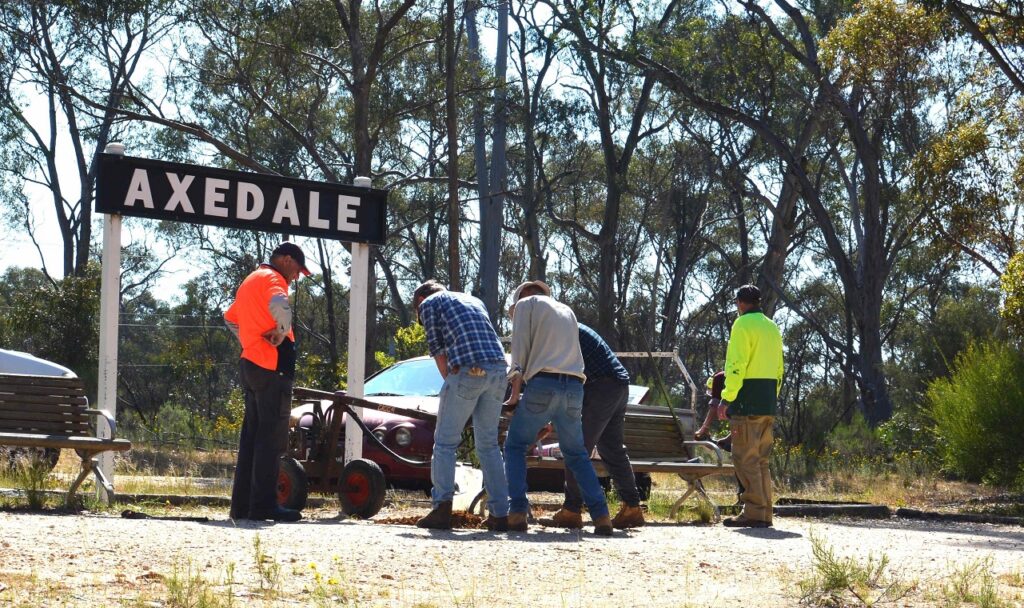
point(753, 378)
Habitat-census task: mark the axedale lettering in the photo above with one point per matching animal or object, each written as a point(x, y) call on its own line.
point(207, 195)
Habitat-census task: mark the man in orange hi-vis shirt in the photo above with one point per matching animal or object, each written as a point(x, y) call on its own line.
point(261, 319)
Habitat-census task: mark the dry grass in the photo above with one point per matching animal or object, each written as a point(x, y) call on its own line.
point(926, 492)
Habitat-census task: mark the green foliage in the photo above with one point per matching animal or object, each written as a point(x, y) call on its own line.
point(883, 42)
point(974, 583)
point(846, 581)
point(179, 425)
point(1012, 283)
point(979, 414)
point(57, 321)
point(409, 342)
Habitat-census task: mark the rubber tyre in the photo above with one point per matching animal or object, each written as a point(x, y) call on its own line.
point(644, 483)
point(292, 486)
point(46, 457)
point(362, 488)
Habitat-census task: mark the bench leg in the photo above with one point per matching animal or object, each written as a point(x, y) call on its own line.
point(87, 467)
point(694, 486)
point(679, 503)
point(478, 503)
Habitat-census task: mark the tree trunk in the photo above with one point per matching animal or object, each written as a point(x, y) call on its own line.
point(452, 123)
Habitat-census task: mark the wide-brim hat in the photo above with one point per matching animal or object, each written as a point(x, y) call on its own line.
point(541, 285)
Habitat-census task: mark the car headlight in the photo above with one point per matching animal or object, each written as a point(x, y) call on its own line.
point(403, 436)
point(379, 434)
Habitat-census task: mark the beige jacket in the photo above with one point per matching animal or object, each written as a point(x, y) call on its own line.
point(545, 337)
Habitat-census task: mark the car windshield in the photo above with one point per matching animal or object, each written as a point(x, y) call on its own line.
point(407, 378)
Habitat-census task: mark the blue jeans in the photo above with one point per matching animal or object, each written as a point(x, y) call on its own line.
point(559, 401)
point(477, 391)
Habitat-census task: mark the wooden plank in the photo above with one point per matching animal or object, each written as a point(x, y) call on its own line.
point(70, 417)
point(16, 389)
point(41, 407)
point(88, 444)
point(32, 380)
point(44, 399)
point(43, 427)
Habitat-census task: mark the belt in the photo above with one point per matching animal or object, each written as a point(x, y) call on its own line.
point(554, 376)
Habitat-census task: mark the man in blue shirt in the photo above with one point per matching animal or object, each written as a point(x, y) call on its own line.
point(604, 410)
point(470, 358)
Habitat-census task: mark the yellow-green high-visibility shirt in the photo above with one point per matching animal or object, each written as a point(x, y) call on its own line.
point(753, 365)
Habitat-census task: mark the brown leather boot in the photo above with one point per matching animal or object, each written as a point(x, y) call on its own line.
point(628, 517)
point(517, 522)
point(566, 518)
point(603, 526)
point(496, 524)
point(438, 519)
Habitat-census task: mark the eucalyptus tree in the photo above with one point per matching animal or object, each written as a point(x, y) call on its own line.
point(870, 70)
point(65, 68)
point(620, 99)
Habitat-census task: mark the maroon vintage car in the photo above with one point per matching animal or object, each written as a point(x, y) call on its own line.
point(414, 384)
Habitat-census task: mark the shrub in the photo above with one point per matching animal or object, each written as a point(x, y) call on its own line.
point(979, 414)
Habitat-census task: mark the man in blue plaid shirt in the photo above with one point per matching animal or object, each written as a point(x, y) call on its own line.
point(470, 358)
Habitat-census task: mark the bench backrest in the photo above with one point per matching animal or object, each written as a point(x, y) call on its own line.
point(651, 432)
point(44, 405)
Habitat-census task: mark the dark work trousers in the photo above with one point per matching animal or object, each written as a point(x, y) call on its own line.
point(268, 398)
point(604, 409)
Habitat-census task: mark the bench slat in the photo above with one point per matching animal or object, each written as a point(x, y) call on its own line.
point(14, 389)
point(89, 444)
point(65, 416)
point(43, 427)
point(30, 400)
point(32, 379)
point(71, 410)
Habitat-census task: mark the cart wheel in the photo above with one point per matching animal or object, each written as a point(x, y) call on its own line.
point(292, 487)
point(362, 488)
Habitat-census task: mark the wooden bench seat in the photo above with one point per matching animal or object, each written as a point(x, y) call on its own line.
point(658, 442)
point(53, 412)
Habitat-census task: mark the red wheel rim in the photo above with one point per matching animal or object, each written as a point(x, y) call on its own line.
point(284, 488)
point(357, 488)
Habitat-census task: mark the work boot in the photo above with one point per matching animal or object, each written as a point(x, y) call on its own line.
point(628, 517)
point(438, 519)
point(567, 518)
point(496, 524)
point(603, 526)
point(517, 522)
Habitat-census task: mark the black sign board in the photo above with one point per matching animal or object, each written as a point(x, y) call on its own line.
point(237, 199)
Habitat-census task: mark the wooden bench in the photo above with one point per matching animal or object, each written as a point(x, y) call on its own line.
point(53, 412)
point(657, 442)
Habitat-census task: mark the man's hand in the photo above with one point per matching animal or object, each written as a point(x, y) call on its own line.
point(517, 386)
point(275, 337)
point(723, 410)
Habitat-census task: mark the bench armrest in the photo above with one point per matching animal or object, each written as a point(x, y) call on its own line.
point(106, 416)
point(709, 445)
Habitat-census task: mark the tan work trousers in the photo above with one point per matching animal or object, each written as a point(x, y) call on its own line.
point(751, 449)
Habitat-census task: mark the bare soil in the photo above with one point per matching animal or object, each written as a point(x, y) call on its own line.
point(103, 560)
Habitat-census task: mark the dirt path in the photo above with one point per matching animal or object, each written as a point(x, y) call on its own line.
point(92, 560)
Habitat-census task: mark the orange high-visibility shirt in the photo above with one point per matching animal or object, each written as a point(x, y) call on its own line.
point(251, 313)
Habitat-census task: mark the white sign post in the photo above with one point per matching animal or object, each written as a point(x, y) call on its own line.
point(357, 297)
point(110, 308)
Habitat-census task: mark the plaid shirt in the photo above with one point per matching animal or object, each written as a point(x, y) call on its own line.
point(598, 359)
point(457, 325)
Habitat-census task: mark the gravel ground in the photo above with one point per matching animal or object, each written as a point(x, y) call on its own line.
point(101, 559)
